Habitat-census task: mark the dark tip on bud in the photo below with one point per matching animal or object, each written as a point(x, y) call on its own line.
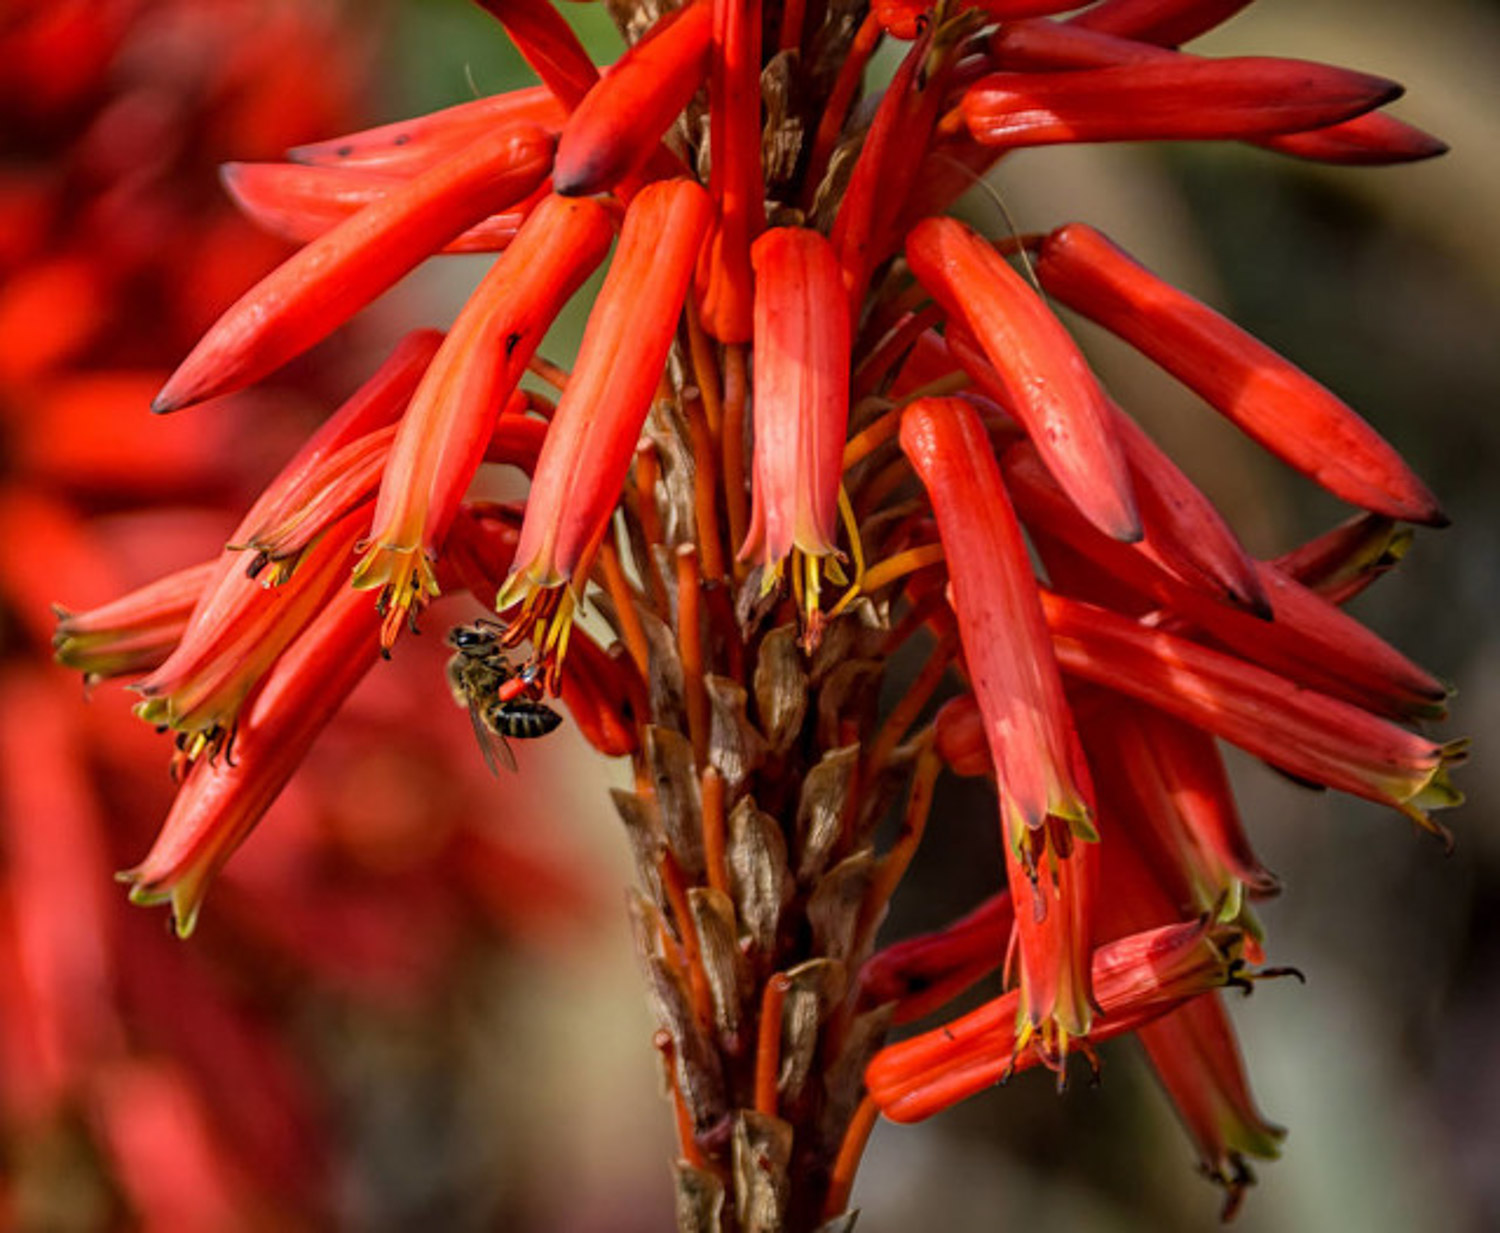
point(1258, 606)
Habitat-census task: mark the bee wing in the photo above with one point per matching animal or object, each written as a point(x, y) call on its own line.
point(494, 747)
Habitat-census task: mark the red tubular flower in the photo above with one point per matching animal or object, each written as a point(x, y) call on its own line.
point(1274, 402)
point(1307, 734)
point(230, 590)
point(1181, 99)
point(410, 146)
point(1136, 979)
point(1046, 380)
point(923, 973)
point(801, 400)
point(1373, 138)
point(447, 428)
point(549, 45)
point(309, 296)
point(1054, 880)
point(134, 633)
point(222, 799)
point(1194, 1054)
point(1164, 22)
point(202, 698)
point(300, 203)
point(599, 418)
point(723, 283)
point(1299, 634)
point(1165, 784)
point(617, 127)
point(1000, 618)
point(1020, 695)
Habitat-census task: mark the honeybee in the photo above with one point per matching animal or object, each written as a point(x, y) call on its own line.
point(503, 702)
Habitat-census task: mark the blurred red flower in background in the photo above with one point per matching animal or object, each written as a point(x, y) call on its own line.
point(180, 1068)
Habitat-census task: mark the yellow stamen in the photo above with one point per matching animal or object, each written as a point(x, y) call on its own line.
point(856, 549)
point(407, 584)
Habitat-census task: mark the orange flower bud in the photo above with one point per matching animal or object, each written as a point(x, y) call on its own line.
point(1276, 403)
point(1178, 98)
point(321, 286)
point(723, 283)
point(617, 127)
point(410, 146)
point(202, 699)
point(1045, 379)
point(301, 203)
point(134, 633)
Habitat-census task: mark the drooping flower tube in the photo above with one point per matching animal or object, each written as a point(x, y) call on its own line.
point(222, 799)
point(801, 406)
point(1038, 768)
point(1276, 403)
point(599, 418)
point(447, 428)
point(1136, 979)
point(1046, 379)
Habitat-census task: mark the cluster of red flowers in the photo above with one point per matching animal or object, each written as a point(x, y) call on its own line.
point(139, 1080)
point(797, 371)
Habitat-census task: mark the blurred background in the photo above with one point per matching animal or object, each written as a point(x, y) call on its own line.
point(411, 1002)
